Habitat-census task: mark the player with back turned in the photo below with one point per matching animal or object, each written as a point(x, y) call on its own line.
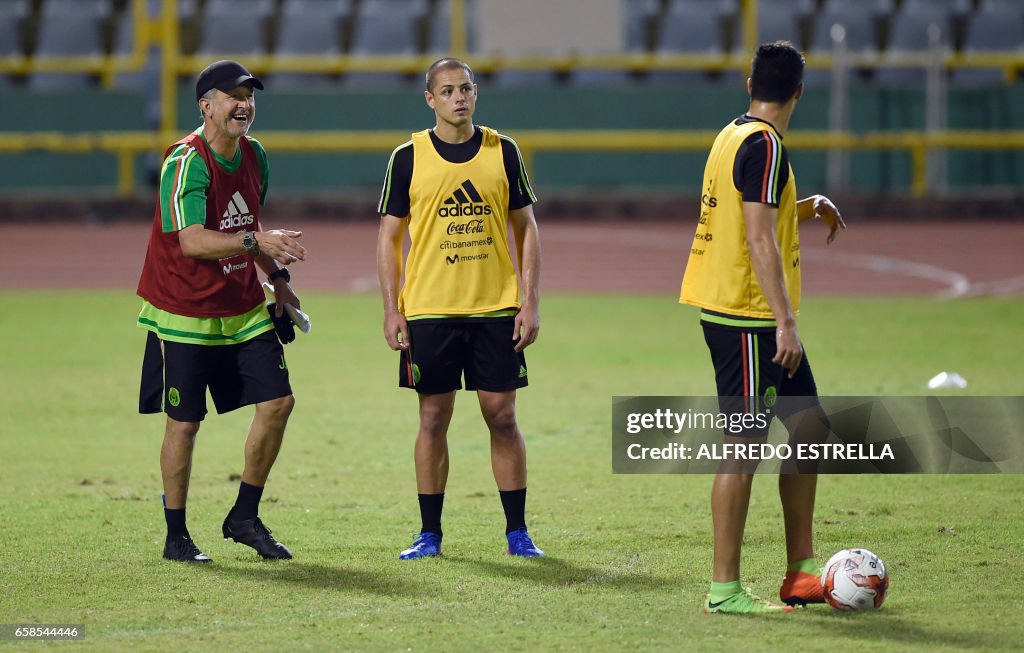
point(744, 273)
point(456, 188)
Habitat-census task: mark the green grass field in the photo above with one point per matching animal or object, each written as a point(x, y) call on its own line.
point(81, 525)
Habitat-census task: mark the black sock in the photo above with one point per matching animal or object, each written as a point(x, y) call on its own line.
point(514, 503)
point(430, 512)
point(175, 522)
point(247, 505)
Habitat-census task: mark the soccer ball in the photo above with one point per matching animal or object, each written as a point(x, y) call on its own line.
point(855, 579)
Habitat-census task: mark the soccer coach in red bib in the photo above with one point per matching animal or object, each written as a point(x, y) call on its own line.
point(204, 306)
point(456, 188)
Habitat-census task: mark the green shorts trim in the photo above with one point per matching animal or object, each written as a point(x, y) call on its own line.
point(511, 312)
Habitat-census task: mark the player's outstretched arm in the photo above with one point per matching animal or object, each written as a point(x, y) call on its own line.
point(822, 208)
point(389, 273)
point(199, 242)
point(527, 235)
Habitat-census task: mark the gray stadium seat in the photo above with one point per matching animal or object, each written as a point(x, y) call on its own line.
point(860, 31)
point(309, 27)
point(124, 44)
point(234, 27)
point(720, 8)
point(187, 9)
point(860, 38)
point(439, 29)
point(990, 31)
point(947, 7)
point(1002, 6)
point(591, 78)
point(909, 33)
point(779, 20)
point(684, 31)
point(639, 16)
point(385, 27)
point(69, 28)
point(14, 12)
point(512, 78)
point(874, 8)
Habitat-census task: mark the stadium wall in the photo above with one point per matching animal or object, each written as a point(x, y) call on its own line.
point(326, 174)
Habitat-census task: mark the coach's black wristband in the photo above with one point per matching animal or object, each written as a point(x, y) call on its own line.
point(280, 273)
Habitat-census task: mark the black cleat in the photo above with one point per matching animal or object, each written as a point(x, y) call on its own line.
point(181, 548)
point(252, 532)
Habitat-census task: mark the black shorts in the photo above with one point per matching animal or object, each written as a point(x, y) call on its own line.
point(441, 349)
point(747, 379)
point(175, 376)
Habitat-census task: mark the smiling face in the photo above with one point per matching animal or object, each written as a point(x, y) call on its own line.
point(228, 114)
point(453, 98)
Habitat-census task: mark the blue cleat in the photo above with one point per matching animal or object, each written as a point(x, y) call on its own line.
point(426, 545)
point(520, 544)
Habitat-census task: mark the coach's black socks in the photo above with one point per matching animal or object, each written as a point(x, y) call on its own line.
point(247, 505)
point(430, 512)
point(175, 522)
point(514, 504)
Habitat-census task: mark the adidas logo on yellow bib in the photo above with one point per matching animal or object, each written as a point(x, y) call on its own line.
point(465, 201)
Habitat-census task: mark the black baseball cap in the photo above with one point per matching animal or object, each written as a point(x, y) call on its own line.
point(224, 76)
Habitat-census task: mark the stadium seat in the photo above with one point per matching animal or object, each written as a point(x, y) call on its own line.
point(990, 31)
point(385, 27)
point(640, 14)
point(860, 38)
point(439, 29)
point(876, 8)
point(1001, 6)
point(234, 27)
point(860, 31)
point(780, 20)
point(309, 27)
point(908, 33)
point(947, 7)
point(591, 78)
point(684, 31)
point(512, 78)
point(69, 28)
point(15, 12)
point(124, 45)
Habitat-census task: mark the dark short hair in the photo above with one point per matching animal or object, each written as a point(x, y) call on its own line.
point(776, 72)
point(446, 63)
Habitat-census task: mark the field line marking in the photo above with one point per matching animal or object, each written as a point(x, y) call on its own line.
point(955, 284)
point(1007, 286)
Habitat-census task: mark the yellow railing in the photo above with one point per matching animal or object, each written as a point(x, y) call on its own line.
point(127, 145)
point(164, 31)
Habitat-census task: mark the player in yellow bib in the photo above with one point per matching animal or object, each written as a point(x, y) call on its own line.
point(455, 189)
point(744, 273)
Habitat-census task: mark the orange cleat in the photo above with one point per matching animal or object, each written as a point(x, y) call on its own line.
point(801, 588)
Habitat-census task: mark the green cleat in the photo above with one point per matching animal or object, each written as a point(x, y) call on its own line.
point(745, 602)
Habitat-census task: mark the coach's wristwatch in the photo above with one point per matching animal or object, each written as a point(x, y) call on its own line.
point(249, 243)
point(280, 273)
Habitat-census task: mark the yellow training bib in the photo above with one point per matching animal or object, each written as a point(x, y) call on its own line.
point(719, 274)
point(459, 261)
